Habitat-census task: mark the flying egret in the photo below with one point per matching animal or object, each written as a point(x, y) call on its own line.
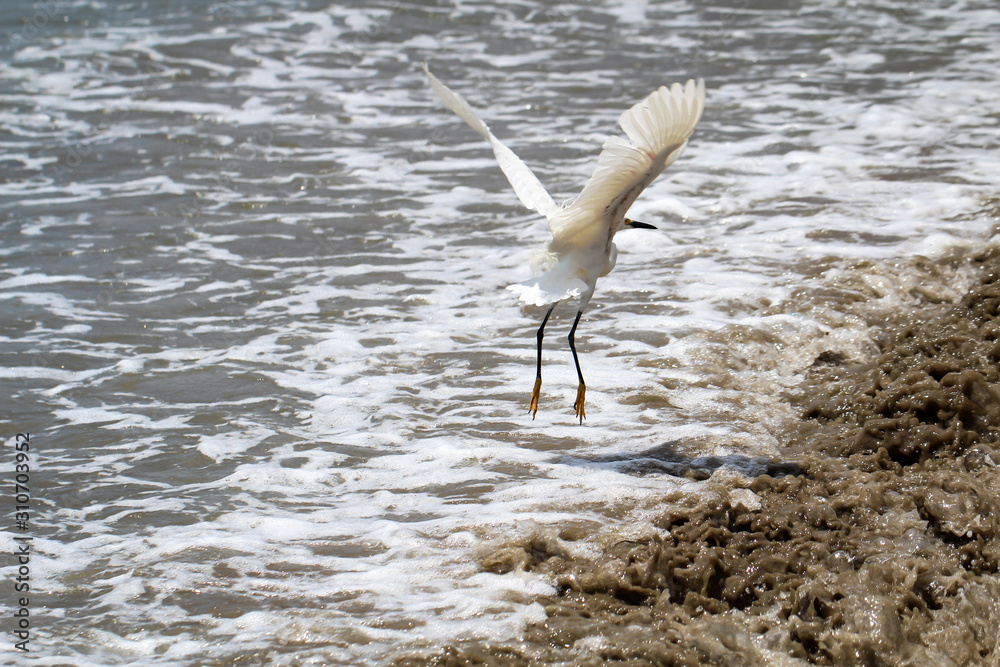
point(582, 248)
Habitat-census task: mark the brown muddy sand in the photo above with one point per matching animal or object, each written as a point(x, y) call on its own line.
point(877, 545)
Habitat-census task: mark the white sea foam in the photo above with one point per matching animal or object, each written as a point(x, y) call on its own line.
point(254, 308)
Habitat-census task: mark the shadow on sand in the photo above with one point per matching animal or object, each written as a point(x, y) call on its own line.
point(667, 459)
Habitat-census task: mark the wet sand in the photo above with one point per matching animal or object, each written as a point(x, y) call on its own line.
point(873, 542)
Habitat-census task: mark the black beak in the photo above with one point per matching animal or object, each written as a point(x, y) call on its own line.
point(635, 224)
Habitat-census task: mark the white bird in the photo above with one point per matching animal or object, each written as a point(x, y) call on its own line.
point(582, 248)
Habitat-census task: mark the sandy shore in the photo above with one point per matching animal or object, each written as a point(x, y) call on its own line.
point(876, 541)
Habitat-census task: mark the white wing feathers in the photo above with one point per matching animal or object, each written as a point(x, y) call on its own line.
point(526, 185)
point(658, 128)
point(667, 116)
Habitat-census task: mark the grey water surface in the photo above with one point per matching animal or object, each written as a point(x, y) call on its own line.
point(252, 272)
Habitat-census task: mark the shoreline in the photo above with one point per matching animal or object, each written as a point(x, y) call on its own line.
point(876, 541)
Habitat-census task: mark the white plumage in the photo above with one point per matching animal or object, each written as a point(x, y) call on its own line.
point(582, 248)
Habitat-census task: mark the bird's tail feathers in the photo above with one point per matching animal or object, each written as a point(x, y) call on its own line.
point(556, 284)
point(542, 260)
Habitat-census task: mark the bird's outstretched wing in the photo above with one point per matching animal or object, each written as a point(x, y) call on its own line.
point(526, 185)
point(658, 128)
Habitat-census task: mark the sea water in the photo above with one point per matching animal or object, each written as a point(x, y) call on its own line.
point(252, 282)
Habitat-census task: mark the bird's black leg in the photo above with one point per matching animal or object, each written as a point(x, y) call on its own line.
point(582, 389)
point(533, 406)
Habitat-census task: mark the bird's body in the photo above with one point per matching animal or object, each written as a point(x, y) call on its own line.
point(582, 247)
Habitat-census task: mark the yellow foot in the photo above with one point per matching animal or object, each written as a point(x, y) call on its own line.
point(533, 406)
point(580, 393)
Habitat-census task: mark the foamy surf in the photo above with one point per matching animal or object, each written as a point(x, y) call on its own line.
point(255, 318)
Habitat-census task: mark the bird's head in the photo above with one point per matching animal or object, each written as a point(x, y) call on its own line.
point(635, 224)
